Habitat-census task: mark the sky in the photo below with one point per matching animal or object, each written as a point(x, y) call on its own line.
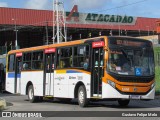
point(139, 8)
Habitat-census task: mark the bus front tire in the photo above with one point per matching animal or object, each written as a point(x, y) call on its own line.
point(82, 97)
point(123, 102)
point(31, 96)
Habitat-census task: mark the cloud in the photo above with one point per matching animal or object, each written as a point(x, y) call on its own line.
point(3, 4)
point(36, 4)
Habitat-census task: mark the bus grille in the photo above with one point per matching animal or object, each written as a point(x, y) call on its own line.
point(135, 79)
point(132, 79)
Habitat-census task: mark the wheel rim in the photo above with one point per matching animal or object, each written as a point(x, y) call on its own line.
point(81, 96)
point(30, 94)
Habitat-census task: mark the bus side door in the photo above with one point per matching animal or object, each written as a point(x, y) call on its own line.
point(97, 68)
point(18, 67)
point(49, 71)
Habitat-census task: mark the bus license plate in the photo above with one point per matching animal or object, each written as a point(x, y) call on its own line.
point(135, 96)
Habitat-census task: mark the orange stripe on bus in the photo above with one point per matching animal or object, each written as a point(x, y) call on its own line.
point(133, 89)
point(76, 70)
point(83, 71)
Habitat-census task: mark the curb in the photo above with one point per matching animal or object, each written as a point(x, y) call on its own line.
point(2, 104)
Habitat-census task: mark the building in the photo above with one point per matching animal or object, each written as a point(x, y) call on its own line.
point(35, 27)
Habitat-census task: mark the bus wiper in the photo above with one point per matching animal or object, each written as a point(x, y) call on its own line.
point(125, 54)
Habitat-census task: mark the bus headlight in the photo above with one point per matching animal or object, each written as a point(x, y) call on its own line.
point(111, 83)
point(152, 86)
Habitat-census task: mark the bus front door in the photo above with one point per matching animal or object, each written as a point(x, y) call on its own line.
point(17, 81)
point(49, 74)
point(97, 72)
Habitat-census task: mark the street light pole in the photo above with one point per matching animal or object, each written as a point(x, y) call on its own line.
point(15, 29)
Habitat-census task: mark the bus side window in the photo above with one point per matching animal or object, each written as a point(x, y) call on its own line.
point(64, 57)
point(37, 60)
point(11, 62)
point(58, 60)
point(26, 61)
point(79, 56)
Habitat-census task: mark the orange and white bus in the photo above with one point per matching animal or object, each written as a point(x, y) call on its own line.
point(117, 68)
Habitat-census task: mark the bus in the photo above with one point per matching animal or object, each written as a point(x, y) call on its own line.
point(102, 68)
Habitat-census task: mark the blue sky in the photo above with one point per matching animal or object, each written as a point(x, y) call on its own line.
point(143, 8)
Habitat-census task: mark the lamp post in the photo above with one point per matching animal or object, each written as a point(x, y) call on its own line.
point(15, 29)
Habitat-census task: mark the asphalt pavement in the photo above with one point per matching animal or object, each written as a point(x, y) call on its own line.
point(18, 103)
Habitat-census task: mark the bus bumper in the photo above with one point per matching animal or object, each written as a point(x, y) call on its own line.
point(108, 92)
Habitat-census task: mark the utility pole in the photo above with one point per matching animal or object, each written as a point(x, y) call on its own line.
point(59, 22)
point(16, 32)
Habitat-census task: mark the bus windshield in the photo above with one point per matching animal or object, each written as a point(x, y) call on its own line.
point(131, 60)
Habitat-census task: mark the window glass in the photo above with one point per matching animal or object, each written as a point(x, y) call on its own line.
point(64, 58)
point(127, 61)
point(67, 59)
point(37, 60)
point(26, 61)
point(11, 62)
point(81, 53)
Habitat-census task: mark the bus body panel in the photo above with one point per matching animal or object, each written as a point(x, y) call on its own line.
point(36, 78)
point(150, 95)
point(25, 78)
point(9, 83)
point(80, 77)
point(109, 92)
point(65, 82)
point(61, 84)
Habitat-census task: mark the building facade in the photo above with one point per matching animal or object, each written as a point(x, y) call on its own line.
point(35, 27)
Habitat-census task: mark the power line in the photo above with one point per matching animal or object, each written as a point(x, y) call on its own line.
point(121, 6)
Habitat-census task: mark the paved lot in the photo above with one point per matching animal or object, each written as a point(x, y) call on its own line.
point(20, 103)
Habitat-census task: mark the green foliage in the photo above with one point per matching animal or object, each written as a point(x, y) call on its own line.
point(157, 78)
point(157, 68)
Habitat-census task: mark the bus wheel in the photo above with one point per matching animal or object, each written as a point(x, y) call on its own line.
point(31, 96)
point(82, 97)
point(123, 102)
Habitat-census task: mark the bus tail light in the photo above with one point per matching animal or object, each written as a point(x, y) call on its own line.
point(111, 83)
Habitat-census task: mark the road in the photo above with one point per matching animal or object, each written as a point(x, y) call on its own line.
point(20, 103)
